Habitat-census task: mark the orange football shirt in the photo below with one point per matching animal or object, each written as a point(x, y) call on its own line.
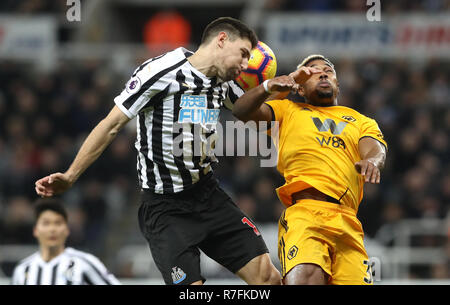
point(318, 147)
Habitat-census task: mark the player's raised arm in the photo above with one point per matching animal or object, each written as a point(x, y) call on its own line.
point(250, 106)
point(96, 142)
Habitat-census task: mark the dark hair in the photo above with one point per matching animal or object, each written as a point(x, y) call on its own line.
point(232, 27)
point(48, 204)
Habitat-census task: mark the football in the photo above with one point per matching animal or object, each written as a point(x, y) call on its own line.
point(262, 65)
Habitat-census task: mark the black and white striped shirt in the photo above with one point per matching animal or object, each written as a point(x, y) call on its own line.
point(71, 267)
point(177, 108)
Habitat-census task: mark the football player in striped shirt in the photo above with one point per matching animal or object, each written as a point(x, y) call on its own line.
point(176, 98)
point(54, 264)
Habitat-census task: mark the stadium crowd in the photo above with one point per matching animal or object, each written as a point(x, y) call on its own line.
point(44, 118)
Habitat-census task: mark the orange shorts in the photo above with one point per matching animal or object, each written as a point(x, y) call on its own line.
point(325, 234)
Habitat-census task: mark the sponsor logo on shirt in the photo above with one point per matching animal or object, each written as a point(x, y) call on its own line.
point(194, 109)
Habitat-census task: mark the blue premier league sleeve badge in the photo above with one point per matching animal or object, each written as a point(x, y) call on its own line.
point(133, 85)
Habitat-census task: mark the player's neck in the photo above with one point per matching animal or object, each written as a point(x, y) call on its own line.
point(319, 104)
point(49, 253)
point(203, 61)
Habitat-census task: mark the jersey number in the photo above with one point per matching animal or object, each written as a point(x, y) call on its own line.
point(245, 220)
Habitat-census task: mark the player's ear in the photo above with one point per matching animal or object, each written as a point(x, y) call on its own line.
point(221, 38)
point(35, 232)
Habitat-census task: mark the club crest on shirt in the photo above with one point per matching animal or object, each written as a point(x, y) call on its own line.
point(133, 85)
point(349, 118)
point(68, 274)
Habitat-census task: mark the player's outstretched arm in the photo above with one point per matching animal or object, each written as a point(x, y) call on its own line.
point(96, 142)
point(373, 155)
point(250, 106)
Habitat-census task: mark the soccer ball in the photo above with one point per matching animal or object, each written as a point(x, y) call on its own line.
point(262, 65)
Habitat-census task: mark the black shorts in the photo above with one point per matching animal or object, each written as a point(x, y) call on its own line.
point(177, 225)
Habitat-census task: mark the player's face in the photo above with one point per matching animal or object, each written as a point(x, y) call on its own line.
point(234, 58)
point(321, 88)
point(51, 229)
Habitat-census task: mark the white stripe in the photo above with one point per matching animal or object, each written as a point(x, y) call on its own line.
point(32, 273)
point(167, 142)
point(141, 157)
point(149, 125)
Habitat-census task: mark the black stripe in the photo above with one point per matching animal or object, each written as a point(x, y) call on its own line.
point(70, 271)
point(146, 63)
point(283, 257)
point(210, 97)
point(185, 174)
point(87, 280)
point(157, 145)
point(283, 221)
point(233, 97)
point(39, 276)
point(157, 101)
point(27, 268)
point(55, 267)
point(95, 269)
point(144, 150)
point(339, 201)
point(198, 82)
point(130, 101)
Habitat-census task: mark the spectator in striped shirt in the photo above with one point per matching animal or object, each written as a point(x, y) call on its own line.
point(54, 264)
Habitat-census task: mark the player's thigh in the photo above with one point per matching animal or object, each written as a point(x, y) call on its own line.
point(306, 274)
point(233, 239)
point(303, 241)
point(351, 265)
point(173, 241)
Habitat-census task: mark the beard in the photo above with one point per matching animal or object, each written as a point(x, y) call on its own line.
point(229, 75)
point(327, 94)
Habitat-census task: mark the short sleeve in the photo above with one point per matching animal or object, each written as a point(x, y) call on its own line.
point(145, 83)
point(234, 92)
point(369, 128)
point(96, 273)
point(279, 108)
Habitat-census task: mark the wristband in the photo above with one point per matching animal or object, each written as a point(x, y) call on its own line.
point(266, 87)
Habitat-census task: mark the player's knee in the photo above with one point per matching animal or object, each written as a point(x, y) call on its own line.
point(268, 274)
point(306, 274)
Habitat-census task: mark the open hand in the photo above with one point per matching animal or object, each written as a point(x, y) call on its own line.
point(53, 184)
point(303, 74)
point(369, 170)
point(282, 83)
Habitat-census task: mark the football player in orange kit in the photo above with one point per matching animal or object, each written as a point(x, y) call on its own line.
point(325, 152)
